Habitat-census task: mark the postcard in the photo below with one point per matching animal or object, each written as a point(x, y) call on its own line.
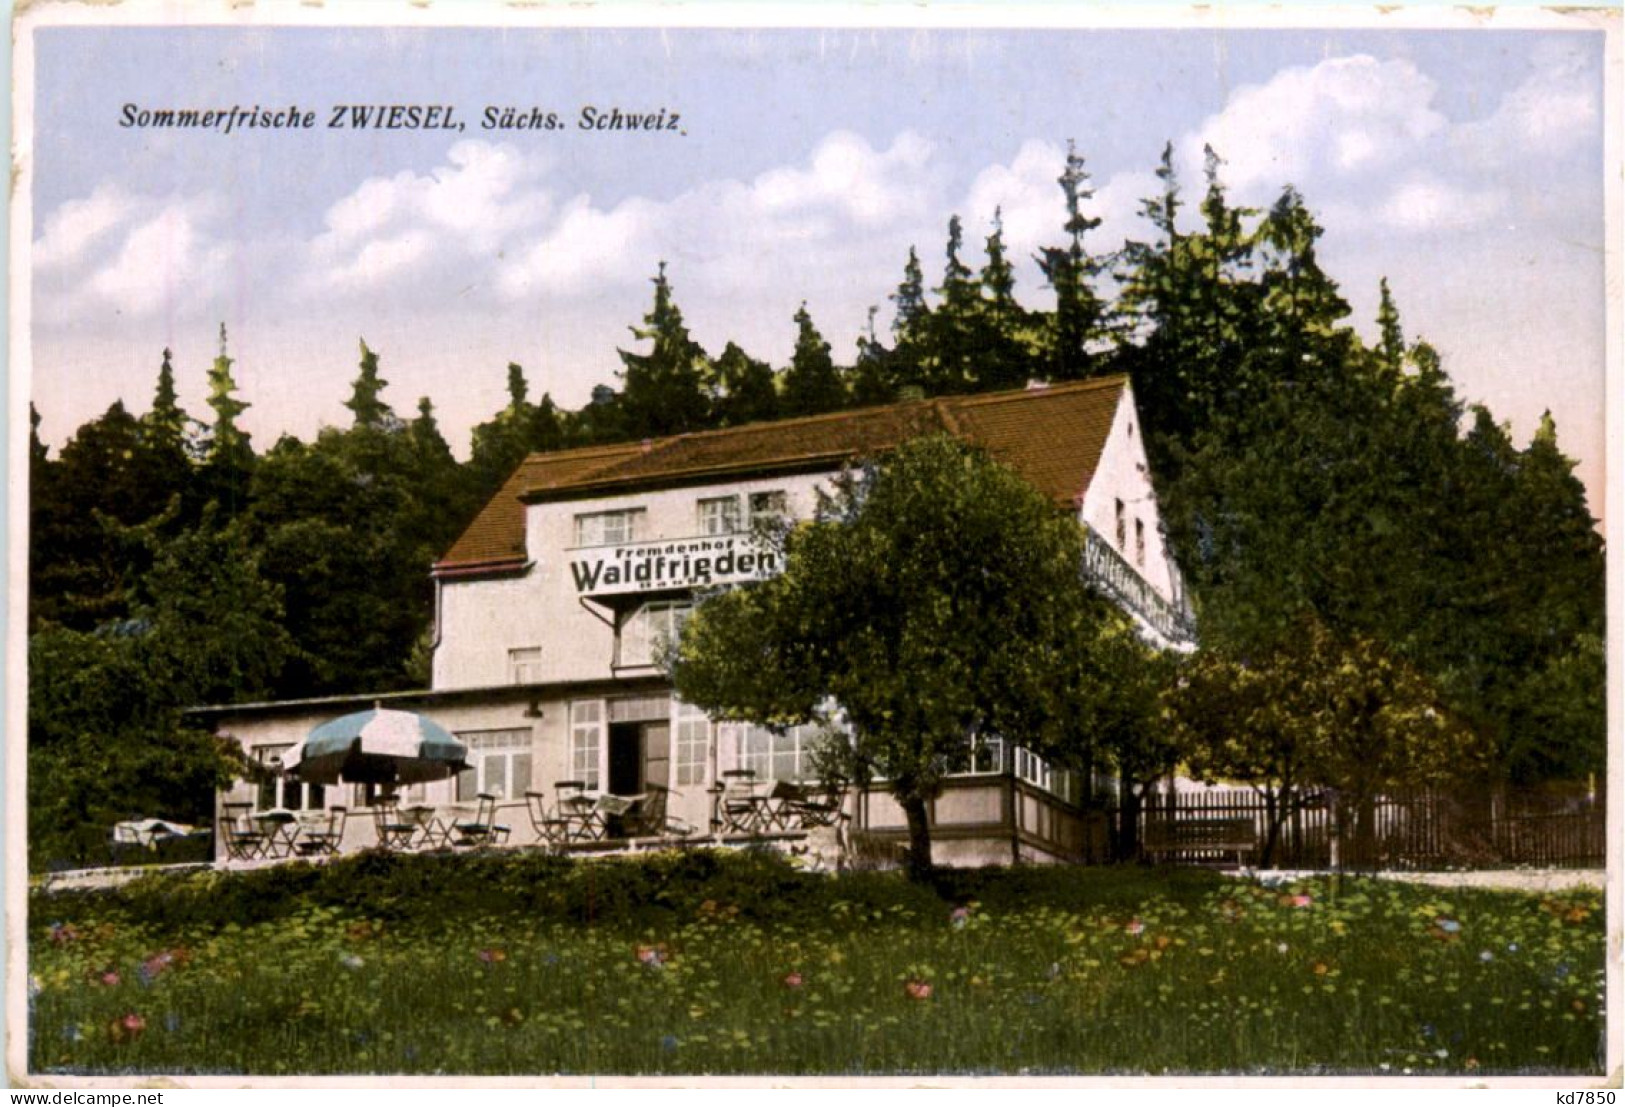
point(681, 543)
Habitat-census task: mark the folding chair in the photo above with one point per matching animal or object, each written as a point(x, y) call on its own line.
point(483, 829)
point(242, 839)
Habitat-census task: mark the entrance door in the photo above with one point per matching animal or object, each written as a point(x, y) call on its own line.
point(639, 755)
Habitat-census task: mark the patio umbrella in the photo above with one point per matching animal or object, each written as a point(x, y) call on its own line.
point(380, 746)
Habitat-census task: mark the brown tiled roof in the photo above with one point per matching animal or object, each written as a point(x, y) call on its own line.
point(1053, 436)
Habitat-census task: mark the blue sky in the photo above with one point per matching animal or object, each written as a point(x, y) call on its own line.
point(1467, 167)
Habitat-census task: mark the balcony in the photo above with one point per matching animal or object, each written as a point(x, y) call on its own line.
point(1104, 566)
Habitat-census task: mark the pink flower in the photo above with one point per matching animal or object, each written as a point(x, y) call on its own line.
point(958, 917)
point(793, 980)
point(1302, 901)
point(917, 989)
point(110, 978)
point(127, 1028)
point(1135, 926)
point(653, 956)
point(62, 933)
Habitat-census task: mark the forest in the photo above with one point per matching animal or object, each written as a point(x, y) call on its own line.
point(1307, 477)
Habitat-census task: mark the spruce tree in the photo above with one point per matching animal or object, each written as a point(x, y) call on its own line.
point(227, 441)
point(812, 385)
point(1391, 344)
point(1003, 357)
point(370, 411)
point(1080, 315)
point(664, 390)
point(746, 391)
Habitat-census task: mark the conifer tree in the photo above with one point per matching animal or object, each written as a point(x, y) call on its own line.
point(911, 325)
point(812, 384)
point(1080, 315)
point(1003, 358)
point(1391, 344)
point(872, 374)
point(370, 411)
point(166, 422)
point(227, 440)
point(746, 392)
point(664, 390)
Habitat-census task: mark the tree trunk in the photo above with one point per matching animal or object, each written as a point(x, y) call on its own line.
point(919, 837)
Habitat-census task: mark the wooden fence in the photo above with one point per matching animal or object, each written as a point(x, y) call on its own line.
point(1491, 828)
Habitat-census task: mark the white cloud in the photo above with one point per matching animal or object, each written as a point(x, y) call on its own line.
point(116, 252)
point(1552, 112)
point(1426, 203)
point(74, 226)
point(1352, 115)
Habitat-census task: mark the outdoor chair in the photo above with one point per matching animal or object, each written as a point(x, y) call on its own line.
point(394, 832)
point(575, 816)
point(542, 821)
point(322, 834)
point(815, 807)
point(242, 838)
point(650, 819)
point(482, 829)
point(736, 806)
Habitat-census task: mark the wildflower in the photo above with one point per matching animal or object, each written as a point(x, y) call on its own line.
point(1512, 947)
point(917, 989)
point(1471, 1064)
point(61, 933)
point(1441, 1054)
point(1485, 955)
point(958, 917)
point(351, 961)
point(127, 1029)
point(1280, 947)
point(1054, 970)
point(1321, 968)
point(1135, 926)
point(73, 1033)
point(154, 966)
point(1302, 900)
point(1449, 926)
point(492, 956)
point(792, 980)
point(653, 956)
point(110, 978)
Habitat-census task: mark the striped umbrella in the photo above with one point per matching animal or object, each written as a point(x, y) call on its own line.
point(380, 746)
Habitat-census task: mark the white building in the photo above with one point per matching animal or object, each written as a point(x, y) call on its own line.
point(549, 608)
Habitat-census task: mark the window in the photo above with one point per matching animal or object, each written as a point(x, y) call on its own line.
point(609, 528)
point(500, 763)
point(987, 756)
point(1139, 543)
point(779, 756)
point(275, 790)
point(768, 506)
point(586, 740)
point(525, 665)
point(365, 795)
point(650, 628)
point(693, 744)
point(1122, 526)
point(719, 515)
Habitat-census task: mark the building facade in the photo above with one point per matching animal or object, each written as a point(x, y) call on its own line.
point(550, 611)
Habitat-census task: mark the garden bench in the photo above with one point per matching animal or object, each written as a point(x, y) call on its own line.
point(1164, 837)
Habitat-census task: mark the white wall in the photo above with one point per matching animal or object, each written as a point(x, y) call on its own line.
point(481, 620)
point(1124, 474)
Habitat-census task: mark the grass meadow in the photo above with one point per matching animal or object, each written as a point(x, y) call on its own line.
point(706, 964)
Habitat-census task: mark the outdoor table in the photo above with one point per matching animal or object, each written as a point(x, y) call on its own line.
point(611, 811)
point(577, 813)
point(393, 831)
point(279, 827)
point(431, 832)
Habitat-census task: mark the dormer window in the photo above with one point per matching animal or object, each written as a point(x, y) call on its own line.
point(609, 528)
point(719, 515)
